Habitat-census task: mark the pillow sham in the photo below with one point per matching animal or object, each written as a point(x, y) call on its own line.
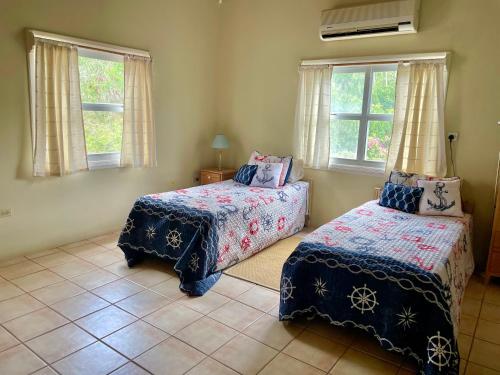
point(297, 172)
point(441, 198)
point(401, 197)
point(257, 157)
point(267, 175)
point(405, 178)
point(245, 174)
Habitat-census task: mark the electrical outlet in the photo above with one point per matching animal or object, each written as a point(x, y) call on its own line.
point(5, 212)
point(454, 136)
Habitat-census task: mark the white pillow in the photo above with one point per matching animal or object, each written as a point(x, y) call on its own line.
point(441, 197)
point(267, 175)
point(297, 172)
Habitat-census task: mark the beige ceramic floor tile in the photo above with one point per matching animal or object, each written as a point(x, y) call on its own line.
point(231, 287)
point(57, 292)
point(118, 290)
point(86, 249)
point(485, 354)
point(260, 298)
point(73, 269)
point(11, 261)
point(210, 367)
point(173, 317)
point(206, 303)
point(96, 359)
point(19, 360)
point(143, 303)
point(20, 269)
point(45, 371)
point(471, 307)
point(464, 345)
point(72, 245)
point(37, 280)
point(109, 240)
point(355, 362)
point(172, 356)
point(169, 289)
point(270, 331)
point(130, 369)
point(245, 355)
point(135, 339)
point(57, 344)
point(315, 350)
point(105, 321)
point(6, 340)
point(121, 268)
point(321, 327)
point(105, 259)
point(94, 279)
point(284, 364)
point(236, 315)
point(475, 288)
point(150, 277)
point(55, 259)
point(78, 306)
point(492, 294)
point(9, 290)
point(18, 306)
point(473, 369)
point(35, 324)
point(42, 253)
point(468, 324)
point(371, 346)
point(490, 312)
point(206, 335)
point(488, 331)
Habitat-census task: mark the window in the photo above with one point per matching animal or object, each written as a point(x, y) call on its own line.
point(362, 109)
point(102, 92)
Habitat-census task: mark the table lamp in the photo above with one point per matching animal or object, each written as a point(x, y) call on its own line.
point(220, 143)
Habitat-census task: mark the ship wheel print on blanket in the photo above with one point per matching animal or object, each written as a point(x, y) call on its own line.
point(363, 299)
point(174, 239)
point(439, 350)
point(286, 289)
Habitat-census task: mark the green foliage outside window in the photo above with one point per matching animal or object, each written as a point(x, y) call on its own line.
point(102, 81)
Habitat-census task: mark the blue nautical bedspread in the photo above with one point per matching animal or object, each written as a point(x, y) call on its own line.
point(208, 228)
point(400, 277)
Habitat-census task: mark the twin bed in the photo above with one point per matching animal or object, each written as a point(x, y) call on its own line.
point(397, 276)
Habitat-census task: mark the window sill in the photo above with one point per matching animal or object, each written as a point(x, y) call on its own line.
point(103, 160)
point(353, 169)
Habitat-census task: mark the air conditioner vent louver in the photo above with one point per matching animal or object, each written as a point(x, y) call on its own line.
point(393, 17)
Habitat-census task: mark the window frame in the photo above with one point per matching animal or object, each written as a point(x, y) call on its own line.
point(360, 164)
point(104, 159)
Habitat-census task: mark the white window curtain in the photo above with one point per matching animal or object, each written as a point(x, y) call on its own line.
point(58, 134)
point(418, 139)
point(139, 141)
point(312, 117)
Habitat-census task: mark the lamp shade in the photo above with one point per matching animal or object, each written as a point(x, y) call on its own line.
point(220, 142)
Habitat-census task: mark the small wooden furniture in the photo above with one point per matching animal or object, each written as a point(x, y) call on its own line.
point(211, 175)
point(493, 266)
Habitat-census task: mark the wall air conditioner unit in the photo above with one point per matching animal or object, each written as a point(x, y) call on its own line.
point(387, 18)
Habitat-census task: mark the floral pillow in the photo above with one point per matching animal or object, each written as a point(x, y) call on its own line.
point(441, 197)
point(267, 175)
point(257, 157)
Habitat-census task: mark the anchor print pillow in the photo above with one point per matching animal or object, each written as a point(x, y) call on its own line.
point(267, 175)
point(441, 198)
point(257, 157)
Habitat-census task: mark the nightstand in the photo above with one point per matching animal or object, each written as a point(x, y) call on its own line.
point(211, 175)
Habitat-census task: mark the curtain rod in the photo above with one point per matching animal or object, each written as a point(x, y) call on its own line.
point(378, 59)
point(90, 44)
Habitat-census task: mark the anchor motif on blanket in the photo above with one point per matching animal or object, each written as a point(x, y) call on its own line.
point(443, 203)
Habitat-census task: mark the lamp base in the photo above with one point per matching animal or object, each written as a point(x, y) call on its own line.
point(220, 161)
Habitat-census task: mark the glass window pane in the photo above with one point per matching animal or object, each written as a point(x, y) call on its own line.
point(383, 92)
point(378, 140)
point(347, 92)
point(344, 138)
point(103, 131)
point(101, 81)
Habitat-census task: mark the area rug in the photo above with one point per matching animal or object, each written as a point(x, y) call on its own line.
point(264, 268)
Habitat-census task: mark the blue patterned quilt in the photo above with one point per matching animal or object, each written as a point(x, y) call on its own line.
point(208, 228)
point(400, 277)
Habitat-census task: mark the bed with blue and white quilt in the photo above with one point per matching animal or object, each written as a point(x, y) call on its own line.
point(399, 277)
point(208, 228)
